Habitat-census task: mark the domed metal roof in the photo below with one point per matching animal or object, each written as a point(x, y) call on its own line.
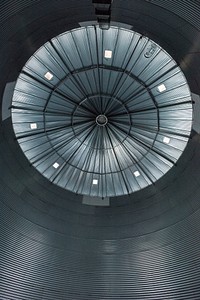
point(102, 113)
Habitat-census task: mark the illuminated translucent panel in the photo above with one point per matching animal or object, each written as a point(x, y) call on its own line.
point(33, 125)
point(95, 181)
point(56, 165)
point(162, 88)
point(137, 173)
point(108, 54)
point(48, 76)
point(166, 140)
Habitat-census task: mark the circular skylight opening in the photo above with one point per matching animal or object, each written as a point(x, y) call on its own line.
point(102, 112)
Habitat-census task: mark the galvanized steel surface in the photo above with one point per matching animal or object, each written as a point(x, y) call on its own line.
point(144, 246)
point(125, 153)
point(187, 10)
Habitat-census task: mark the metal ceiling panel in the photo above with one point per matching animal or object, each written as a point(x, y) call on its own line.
point(106, 124)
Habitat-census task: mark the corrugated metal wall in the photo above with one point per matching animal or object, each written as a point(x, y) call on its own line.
point(145, 246)
point(52, 247)
point(188, 10)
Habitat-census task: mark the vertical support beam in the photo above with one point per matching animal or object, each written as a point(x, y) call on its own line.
point(103, 12)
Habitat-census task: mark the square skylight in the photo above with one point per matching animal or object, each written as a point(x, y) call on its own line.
point(33, 125)
point(94, 181)
point(56, 165)
point(137, 173)
point(162, 88)
point(108, 54)
point(166, 140)
point(48, 76)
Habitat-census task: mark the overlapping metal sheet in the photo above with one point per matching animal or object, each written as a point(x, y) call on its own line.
point(127, 153)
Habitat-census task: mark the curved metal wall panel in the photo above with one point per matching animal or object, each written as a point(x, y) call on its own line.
point(188, 10)
point(52, 246)
point(38, 263)
point(10, 7)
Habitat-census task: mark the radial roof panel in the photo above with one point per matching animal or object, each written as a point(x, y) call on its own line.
point(102, 120)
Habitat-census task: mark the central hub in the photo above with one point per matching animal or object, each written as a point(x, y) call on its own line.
point(101, 120)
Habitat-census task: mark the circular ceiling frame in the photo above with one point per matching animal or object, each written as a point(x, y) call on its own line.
point(86, 73)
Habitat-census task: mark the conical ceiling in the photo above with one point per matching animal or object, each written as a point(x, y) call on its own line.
point(102, 113)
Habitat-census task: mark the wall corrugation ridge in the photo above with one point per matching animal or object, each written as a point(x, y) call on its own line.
point(188, 10)
point(10, 7)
